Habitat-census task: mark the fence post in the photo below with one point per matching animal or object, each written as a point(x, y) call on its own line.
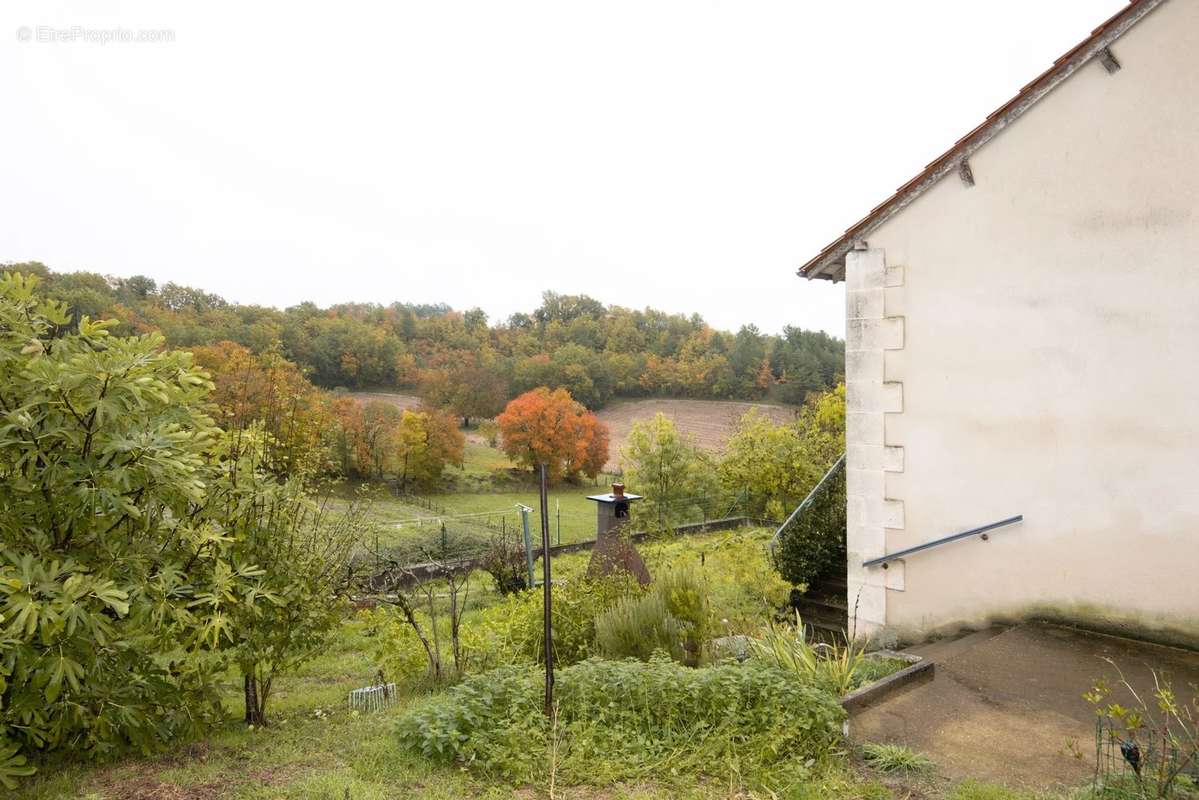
point(524, 519)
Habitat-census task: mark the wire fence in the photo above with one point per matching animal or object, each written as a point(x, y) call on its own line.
point(445, 538)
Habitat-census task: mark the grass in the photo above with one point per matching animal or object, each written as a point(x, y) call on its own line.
point(894, 758)
point(875, 669)
point(572, 515)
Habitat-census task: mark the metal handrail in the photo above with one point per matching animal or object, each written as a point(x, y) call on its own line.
point(979, 531)
point(807, 501)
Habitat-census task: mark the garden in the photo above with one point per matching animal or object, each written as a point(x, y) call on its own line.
point(194, 604)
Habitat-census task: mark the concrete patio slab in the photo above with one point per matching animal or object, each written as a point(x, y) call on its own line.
point(1005, 703)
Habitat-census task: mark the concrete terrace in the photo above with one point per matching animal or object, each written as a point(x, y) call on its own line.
point(1005, 703)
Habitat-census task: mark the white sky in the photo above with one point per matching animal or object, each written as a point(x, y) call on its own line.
point(686, 154)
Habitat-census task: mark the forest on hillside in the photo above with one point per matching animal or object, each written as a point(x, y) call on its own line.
point(463, 361)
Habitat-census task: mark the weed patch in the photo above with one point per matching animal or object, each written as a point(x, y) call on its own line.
point(621, 720)
point(895, 758)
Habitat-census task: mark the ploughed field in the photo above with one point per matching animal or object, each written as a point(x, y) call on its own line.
point(711, 422)
point(403, 401)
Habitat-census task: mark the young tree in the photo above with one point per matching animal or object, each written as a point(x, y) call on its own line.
point(490, 432)
point(425, 442)
point(549, 427)
point(767, 459)
point(418, 573)
point(675, 476)
point(780, 463)
point(303, 551)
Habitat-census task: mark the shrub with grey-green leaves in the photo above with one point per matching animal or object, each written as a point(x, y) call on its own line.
point(638, 627)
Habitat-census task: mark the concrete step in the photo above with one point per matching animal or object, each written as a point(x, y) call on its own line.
point(822, 615)
point(941, 650)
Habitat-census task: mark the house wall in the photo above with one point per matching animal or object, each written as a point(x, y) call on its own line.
point(1049, 364)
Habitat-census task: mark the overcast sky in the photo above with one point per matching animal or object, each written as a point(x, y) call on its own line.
point(686, 155)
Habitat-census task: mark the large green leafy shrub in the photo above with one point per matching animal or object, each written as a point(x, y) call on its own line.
point(813, 544)
point(132, 569)
point(113, 588)
point(627, 719)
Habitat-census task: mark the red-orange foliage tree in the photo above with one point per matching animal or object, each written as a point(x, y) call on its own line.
point(551, 428)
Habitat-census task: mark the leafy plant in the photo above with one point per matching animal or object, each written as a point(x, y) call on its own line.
point(673, 473)
point(117, 578)
point(302, 551)
point(672, 617)
point(895, 758)
point(833, 665)
point(685, 594)
point(1149, 748)
point(627, 719)
point(490, 431)
point(507, 632)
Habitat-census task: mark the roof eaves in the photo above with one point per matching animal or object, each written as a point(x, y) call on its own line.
point(829, 264)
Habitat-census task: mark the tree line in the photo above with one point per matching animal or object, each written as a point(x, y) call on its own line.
point(460, 359)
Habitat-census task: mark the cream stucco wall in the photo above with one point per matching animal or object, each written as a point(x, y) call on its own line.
point(1049, 362)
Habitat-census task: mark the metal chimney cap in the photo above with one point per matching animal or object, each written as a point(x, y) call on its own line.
point(611, 498)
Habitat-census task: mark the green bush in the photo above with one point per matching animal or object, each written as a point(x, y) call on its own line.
point(672, 617)
point(123, 518)
point(814, 543)
point(576, 605)
point(637, 627)
point(619, 720)
point(686, 596)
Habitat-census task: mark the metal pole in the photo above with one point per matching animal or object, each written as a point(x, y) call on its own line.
point(547, 595)
point(524, 519)
point(558, 503)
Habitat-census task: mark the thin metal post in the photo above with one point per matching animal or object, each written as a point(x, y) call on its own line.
point(547, 595)
point(558, 504)
point(524, 519)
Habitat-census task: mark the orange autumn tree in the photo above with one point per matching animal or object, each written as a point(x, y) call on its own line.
point(550, 427)
point(268, 389)
point(378, 439)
